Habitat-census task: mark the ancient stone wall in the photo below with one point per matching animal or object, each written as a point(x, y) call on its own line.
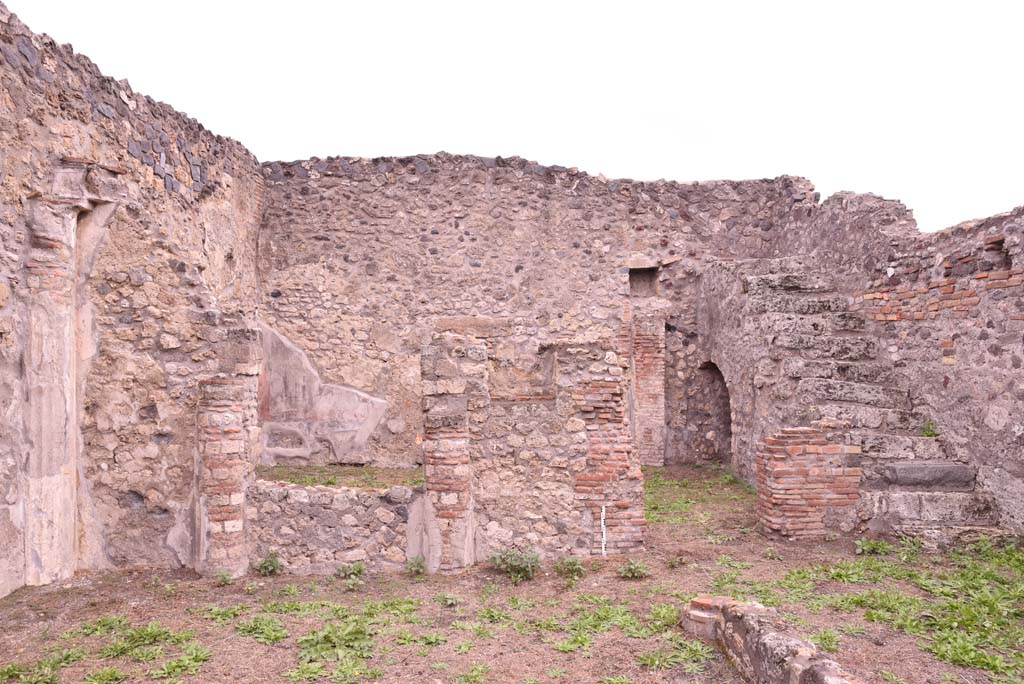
point(314, 530)
point(531, 334)
point(159, 292)
point(362, 260)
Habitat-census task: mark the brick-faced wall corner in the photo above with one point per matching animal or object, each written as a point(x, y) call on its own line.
point(223, 469)
point(808, 483)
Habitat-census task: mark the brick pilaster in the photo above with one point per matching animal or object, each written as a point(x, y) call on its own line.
point(808, 482)
point(611, 480)
point(222, 470)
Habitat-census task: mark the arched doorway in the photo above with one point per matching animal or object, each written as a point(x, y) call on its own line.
point(712, 416)
point(706, 434)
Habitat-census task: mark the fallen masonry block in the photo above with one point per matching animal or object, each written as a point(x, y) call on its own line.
point(759, 644)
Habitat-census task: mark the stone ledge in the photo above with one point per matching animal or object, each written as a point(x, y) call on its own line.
point(763, 650)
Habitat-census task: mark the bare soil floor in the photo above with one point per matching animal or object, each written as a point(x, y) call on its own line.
point(892, 613)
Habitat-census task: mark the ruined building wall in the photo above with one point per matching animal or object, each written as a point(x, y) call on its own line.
point(166, 300)
point(902, 348)
point(361, 260)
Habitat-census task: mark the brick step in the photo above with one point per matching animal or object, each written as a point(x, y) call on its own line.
point(835, 348)
point(927, 509)
point(879, 396)
point(815, 324)
point(798, 304)
point(787, 282)
point(859, 416)
point(850, 371)
point(892, 447)
point(920, 475)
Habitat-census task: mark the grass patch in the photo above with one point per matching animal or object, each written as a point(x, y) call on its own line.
point(265, 629)
point(359, 477)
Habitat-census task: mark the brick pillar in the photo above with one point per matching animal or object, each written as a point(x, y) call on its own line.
point(454, 374)
point(222, 470)
point(610, 486)
point(808, 483)
point(648, 342)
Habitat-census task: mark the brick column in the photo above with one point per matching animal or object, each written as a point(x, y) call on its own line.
point(648, 341)
point(808, 483)
point(454, 388)
point(611, 485)
point(222, 470)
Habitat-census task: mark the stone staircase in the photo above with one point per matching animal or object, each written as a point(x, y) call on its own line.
point(910, 483)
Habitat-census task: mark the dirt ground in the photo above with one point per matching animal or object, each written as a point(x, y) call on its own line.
point(478, 628)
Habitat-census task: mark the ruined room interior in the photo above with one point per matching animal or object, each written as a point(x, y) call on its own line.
point(524, 337)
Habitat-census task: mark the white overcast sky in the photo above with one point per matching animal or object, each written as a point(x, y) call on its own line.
point(918, 101)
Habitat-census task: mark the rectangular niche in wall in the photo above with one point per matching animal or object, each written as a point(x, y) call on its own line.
point(643, 282)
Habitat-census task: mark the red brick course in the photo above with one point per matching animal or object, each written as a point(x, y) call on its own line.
point(805, 481)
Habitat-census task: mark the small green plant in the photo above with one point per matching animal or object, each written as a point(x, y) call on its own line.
point(516, 603)
point(353, 583)
point(447, 600)
point(492, 614)
point(265, 629)
point(106, 675)
point(518, 564)
point(663, 616)
point(224, 579)
point(107, 624)
point(826, 639)
point(660, 659)
point(343, 640)
point(12, 672)
point(416, 566)
point(224, 614)
point(729, 562)
point(188, 663)
point(350, 570)
point(474, 675)
point(147, 654)
point(929, 429)
point(570, 569)
point(271, 565)
point(772, 554)
point(633, 570)
point(873, 547)
point(891, 678)
point(464, 647)
point(306, 672)
point(616, 679)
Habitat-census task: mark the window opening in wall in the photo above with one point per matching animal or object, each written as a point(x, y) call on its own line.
point(643, 282)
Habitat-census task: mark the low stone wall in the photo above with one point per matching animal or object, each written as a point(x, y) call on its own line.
point(315, 529)
point(760, 647)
